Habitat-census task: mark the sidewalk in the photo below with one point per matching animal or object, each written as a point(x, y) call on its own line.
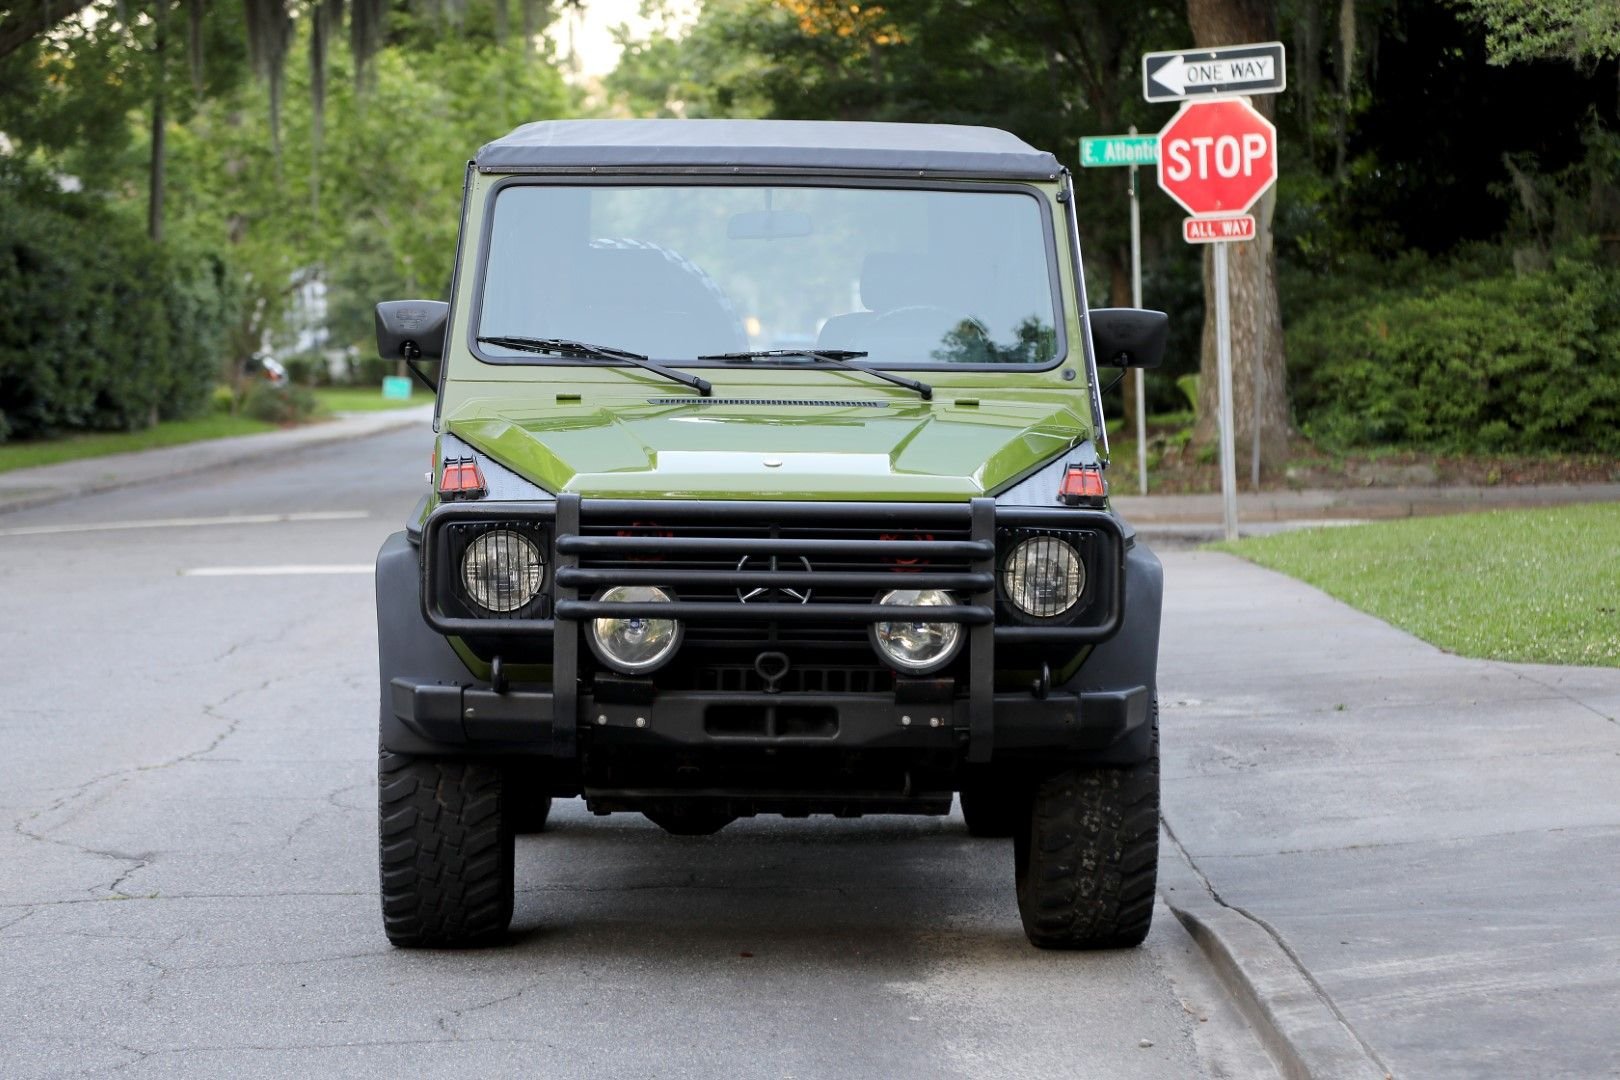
point(21, 489)
point(1198, 517)
point(1434, 841)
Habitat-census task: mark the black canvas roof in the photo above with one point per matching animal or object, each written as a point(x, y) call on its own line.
point(952, 149)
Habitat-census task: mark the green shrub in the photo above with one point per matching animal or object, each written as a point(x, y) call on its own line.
point(308, 369)
point(100, 328)
point(1494, 363)
point(371, 370)
point(289, 404)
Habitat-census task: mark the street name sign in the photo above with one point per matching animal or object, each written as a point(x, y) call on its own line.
point(1219, 72)
point(1101, 151)
point(1217, 157)
point(1217, 230)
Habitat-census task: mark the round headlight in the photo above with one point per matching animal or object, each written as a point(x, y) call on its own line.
point(502, 570)
point(634, 644)
point(1044, 577)
point(917, 648)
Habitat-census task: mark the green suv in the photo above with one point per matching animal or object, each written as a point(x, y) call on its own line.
point(769, 479)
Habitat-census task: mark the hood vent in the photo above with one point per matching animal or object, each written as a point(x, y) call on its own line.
point(814, 403)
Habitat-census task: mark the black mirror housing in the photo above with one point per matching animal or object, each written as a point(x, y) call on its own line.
point(411, 329)
point(1129, 337)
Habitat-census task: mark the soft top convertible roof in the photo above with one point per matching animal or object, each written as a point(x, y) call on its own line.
point(950, 149)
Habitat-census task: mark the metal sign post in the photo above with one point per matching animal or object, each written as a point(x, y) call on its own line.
point(1101, 151)
point(1136, 302)
point(1218, 157)
point(1223, 366)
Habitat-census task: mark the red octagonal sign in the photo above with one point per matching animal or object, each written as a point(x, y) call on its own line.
point(1217, 157)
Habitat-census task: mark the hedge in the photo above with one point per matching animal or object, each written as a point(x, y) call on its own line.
point(1500, 363)
point(100, 329)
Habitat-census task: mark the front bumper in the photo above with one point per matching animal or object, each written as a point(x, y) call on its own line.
point(473, 716)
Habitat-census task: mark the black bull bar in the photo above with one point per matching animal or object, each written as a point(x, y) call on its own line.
point(975, 529)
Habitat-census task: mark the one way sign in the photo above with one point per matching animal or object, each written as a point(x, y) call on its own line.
point(1231, 69)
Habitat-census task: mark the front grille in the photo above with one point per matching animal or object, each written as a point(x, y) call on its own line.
point(808, 679)
point(832, 562)
point(781, 577)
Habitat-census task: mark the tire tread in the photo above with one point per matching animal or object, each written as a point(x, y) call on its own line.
point(1087, 859)
point(445, 851)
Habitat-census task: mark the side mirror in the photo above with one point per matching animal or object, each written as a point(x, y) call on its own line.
point(1129, 337)
point(411, 329)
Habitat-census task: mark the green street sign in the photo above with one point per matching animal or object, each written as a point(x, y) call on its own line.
point(1101, 151)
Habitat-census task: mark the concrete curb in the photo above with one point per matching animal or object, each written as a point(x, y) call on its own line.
point(1294, 1020)
point(26, 489)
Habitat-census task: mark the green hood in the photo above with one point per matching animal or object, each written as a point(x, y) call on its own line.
point(903, 451)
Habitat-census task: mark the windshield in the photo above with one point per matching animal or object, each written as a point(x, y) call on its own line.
point(912, 278)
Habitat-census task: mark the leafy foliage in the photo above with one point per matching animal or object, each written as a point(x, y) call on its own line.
point(290, 404)
point(101, 329)
point(1542, 29)
point(1459, 360)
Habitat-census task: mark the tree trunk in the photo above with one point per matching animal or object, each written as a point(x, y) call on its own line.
point(1256, 318)
point(154, 179)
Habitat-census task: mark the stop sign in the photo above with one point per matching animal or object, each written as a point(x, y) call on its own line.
point(1217, 157)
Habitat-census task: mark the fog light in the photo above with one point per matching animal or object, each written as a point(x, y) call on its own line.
point(634, 644)
point(1043, 577)
point(917, 648)
point(502, 570)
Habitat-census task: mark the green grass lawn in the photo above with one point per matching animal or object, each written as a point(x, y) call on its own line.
point(24, 455)
point(1530, 585)
point(366, 398)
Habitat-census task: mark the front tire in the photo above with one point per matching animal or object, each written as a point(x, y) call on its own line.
point(1086, 858)
point(445, 851)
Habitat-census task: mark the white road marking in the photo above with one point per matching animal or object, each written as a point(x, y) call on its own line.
point(187, 523)
point(291, 570)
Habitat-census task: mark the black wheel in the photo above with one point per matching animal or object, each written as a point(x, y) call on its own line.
point(689, 821)
point(1086, 859)
point(445, 849)
point(993, 809)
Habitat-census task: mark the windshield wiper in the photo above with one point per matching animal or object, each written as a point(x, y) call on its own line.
point(841, 357)
point(584, 350)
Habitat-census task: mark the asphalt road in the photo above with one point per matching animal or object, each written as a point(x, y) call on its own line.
point(189, 775)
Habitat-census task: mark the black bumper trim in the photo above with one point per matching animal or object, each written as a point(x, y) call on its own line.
point(463, 717)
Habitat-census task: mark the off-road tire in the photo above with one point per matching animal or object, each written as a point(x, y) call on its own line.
point(993, 810)
point(1086, 860)
point(446, 851)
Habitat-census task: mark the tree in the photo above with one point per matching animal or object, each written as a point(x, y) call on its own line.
point(1256, 314)
point(1575, 30)
point(386, 217)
